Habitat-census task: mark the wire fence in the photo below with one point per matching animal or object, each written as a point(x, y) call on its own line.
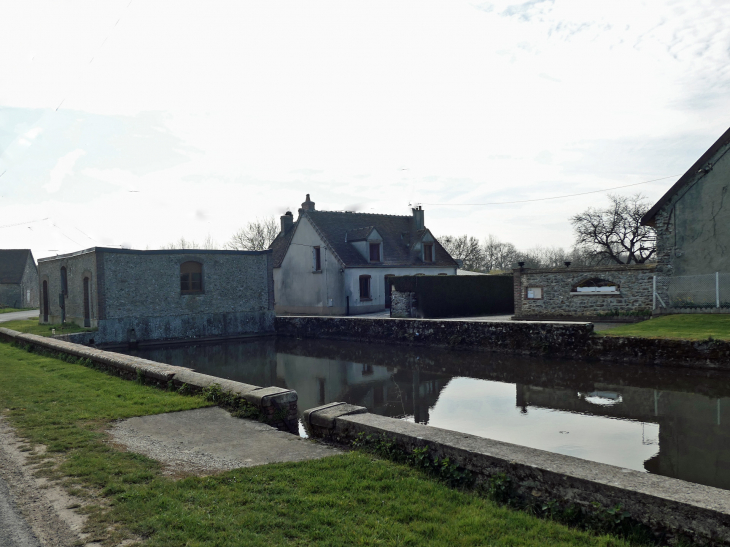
point(705, 291)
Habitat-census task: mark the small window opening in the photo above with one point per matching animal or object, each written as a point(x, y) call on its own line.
point(191, 278)
point(317, 260)
point(365, 287)
point(428, 252)
point(596, 285)
point(375, 252)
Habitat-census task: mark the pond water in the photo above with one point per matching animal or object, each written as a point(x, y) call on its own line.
point(673, 422)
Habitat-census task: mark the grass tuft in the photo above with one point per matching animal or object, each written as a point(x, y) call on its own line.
point(682, 326)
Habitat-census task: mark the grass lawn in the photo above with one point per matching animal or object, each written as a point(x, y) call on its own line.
point(8, 310)
point(685, 326)
point(353, 499)
point(31, 326)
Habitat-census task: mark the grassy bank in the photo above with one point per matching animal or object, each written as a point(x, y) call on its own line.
point(353, 499)
point(687, 327)
point(31, 326)
point(9, 310)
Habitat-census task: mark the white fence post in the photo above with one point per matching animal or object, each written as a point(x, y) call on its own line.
point(653, 294)
point(717, 288)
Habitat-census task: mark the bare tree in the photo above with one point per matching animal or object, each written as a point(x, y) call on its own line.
point(466, 249)
point(257, 235)
point(497, 254)
point(182, 243)
point(615, 233)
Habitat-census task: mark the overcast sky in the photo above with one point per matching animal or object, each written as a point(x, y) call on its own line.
point(136, 123)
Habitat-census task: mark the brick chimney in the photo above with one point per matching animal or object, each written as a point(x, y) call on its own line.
point(308, 204)
point(418, 221)
point(287, 222)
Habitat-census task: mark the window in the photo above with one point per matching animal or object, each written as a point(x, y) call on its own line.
point(191, 278)
point(534, 293)
point(375, 252)
point(365, 287)
point(64, 281)
point(428, 252)
point(317, 260)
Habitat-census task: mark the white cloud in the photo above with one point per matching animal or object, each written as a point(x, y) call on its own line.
point(64, 167)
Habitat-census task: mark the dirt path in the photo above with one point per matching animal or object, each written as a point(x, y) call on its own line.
point(34, 511)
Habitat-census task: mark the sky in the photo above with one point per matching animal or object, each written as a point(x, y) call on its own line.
point(130, 123)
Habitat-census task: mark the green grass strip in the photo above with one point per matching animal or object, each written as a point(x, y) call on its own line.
point(10, 310)
point(352, 499)
point(32, 326)
point(681, 326)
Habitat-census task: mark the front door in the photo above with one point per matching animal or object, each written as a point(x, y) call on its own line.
point(87, 312)
point(45, 301)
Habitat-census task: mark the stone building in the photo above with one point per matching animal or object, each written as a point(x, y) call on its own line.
point(692, 220)
point(18, 279)
point(137, 296)
point(340, 262)
point(584, 292)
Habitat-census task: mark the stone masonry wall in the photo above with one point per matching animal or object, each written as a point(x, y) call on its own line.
point(10, 296)
point(78, 266)
point(402, 304)
point(635, 284)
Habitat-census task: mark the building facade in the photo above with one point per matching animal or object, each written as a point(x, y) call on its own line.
point(18, 279)
point(339, 263)
point(692, 220)
point(137, 296)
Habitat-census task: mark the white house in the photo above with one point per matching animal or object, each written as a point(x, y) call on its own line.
point(338, 262)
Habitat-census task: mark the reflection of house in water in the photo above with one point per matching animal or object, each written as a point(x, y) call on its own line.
point(694, 430)
point(389, 391)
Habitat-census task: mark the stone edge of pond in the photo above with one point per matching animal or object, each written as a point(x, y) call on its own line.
point(574, 341)
point(669, 507)
point(277, 406)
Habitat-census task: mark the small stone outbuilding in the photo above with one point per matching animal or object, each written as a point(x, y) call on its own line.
point(584, 292)
point(138, 296)
point(18, 279)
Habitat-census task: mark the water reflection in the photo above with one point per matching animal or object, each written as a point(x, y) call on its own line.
point(672, 422)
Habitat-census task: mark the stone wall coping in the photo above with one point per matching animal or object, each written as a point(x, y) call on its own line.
point(592, 269)
point(267, 396)
point(154, 252)
point(658, 501)
point(325, 416)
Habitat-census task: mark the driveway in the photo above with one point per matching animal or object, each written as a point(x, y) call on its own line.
point(15, 315)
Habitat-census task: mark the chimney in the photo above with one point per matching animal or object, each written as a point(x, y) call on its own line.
point(308, 204)
point(418, 223)
point(287, 222)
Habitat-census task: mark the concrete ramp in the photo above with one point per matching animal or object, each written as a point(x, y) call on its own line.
point(209, 440)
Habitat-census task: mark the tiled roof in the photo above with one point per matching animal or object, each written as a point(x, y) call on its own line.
point(396, 231)
point(12, 264)
point(359, 234)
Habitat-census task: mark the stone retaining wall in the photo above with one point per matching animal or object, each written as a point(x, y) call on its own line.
point(560, 297)
point(538, 338)
point(278, 406)
point(671, 508)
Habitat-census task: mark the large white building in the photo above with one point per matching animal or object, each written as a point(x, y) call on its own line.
point(338, 262)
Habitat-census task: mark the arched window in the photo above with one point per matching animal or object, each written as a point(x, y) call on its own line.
point(64, 281)
point(191, 277)
point(595, 285)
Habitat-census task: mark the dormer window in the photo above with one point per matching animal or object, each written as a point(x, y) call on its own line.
point(375, 252)
point(428, 252)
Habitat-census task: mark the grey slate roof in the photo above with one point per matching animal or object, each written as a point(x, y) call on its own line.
point(648, 218)
point(12, 265)
point(396, 231)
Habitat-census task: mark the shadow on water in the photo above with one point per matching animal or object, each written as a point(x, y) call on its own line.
point(669, 421)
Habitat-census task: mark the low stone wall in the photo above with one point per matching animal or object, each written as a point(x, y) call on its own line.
point(671, 508)
point(538, 338)
point(535, 338)
point(559, 297)
point(402, 304)
point(278, 406)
